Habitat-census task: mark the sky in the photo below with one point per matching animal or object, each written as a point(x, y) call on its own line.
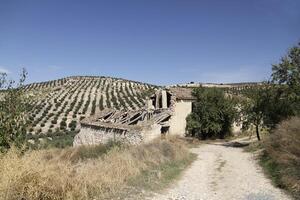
point(155, 41)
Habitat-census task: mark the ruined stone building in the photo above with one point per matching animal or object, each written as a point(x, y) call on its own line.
point(165, 112)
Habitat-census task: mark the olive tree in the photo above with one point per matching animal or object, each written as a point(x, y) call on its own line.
point(254, 107)
point(12, 111)
point(213, 113)
point(287, 74)
point(265, 106)
point(270, 103)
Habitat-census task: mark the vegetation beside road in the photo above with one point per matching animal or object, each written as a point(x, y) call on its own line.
point(279, 154)
point(273, 106)
point(260, 106)
point(281, 149)
point(90, 172)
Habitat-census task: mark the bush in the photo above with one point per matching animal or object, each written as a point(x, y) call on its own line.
point(63, 123)
point(82, 117)
point(72, 125)
point(213, 114)
point(282, 155)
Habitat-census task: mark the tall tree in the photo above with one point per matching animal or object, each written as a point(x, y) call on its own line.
point(288, 70)
point(213, 113)
point(265, 106)
point(12, 111)
point(254, 107)
point(287, 74)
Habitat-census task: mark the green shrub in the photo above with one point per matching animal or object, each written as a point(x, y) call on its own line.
point(213, 114)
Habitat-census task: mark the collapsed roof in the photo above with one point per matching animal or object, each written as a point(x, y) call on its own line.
point(158, 110)
point(126, 120)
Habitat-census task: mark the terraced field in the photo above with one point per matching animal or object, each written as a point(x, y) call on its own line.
point(58, 106)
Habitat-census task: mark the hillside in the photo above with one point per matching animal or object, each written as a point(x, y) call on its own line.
point(57, 106)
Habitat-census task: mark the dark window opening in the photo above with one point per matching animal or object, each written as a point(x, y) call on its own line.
point(168, 99)
point(153, 101)
point(160, 101)
point(164, 129)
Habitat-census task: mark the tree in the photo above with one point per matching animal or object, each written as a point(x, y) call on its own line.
point(213, 113)
point(269, 104)
point(12, 112)
point(264, 106)
point(253, 108)
point(288, 70)
point(287, 74)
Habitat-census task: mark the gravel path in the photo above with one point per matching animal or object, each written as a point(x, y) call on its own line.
point(222, 173)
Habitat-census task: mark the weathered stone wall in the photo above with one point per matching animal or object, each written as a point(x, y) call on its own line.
point(151, 132)
point(90, 136)
point(182, 109)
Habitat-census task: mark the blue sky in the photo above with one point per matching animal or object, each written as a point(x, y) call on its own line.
point(158, 41)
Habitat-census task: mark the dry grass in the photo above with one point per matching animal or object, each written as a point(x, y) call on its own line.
point(282, 155)
point(67, 174)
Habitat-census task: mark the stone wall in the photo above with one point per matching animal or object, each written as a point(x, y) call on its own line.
point(151, 132)
point(90, 136)
point(182, 109)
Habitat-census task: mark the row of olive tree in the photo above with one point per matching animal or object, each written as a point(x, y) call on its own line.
point(13, 105)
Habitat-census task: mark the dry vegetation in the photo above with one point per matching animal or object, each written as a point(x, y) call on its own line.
point(281, 157)
point(98, 172)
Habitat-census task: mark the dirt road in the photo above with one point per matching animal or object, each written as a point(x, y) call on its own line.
point(222, 173)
